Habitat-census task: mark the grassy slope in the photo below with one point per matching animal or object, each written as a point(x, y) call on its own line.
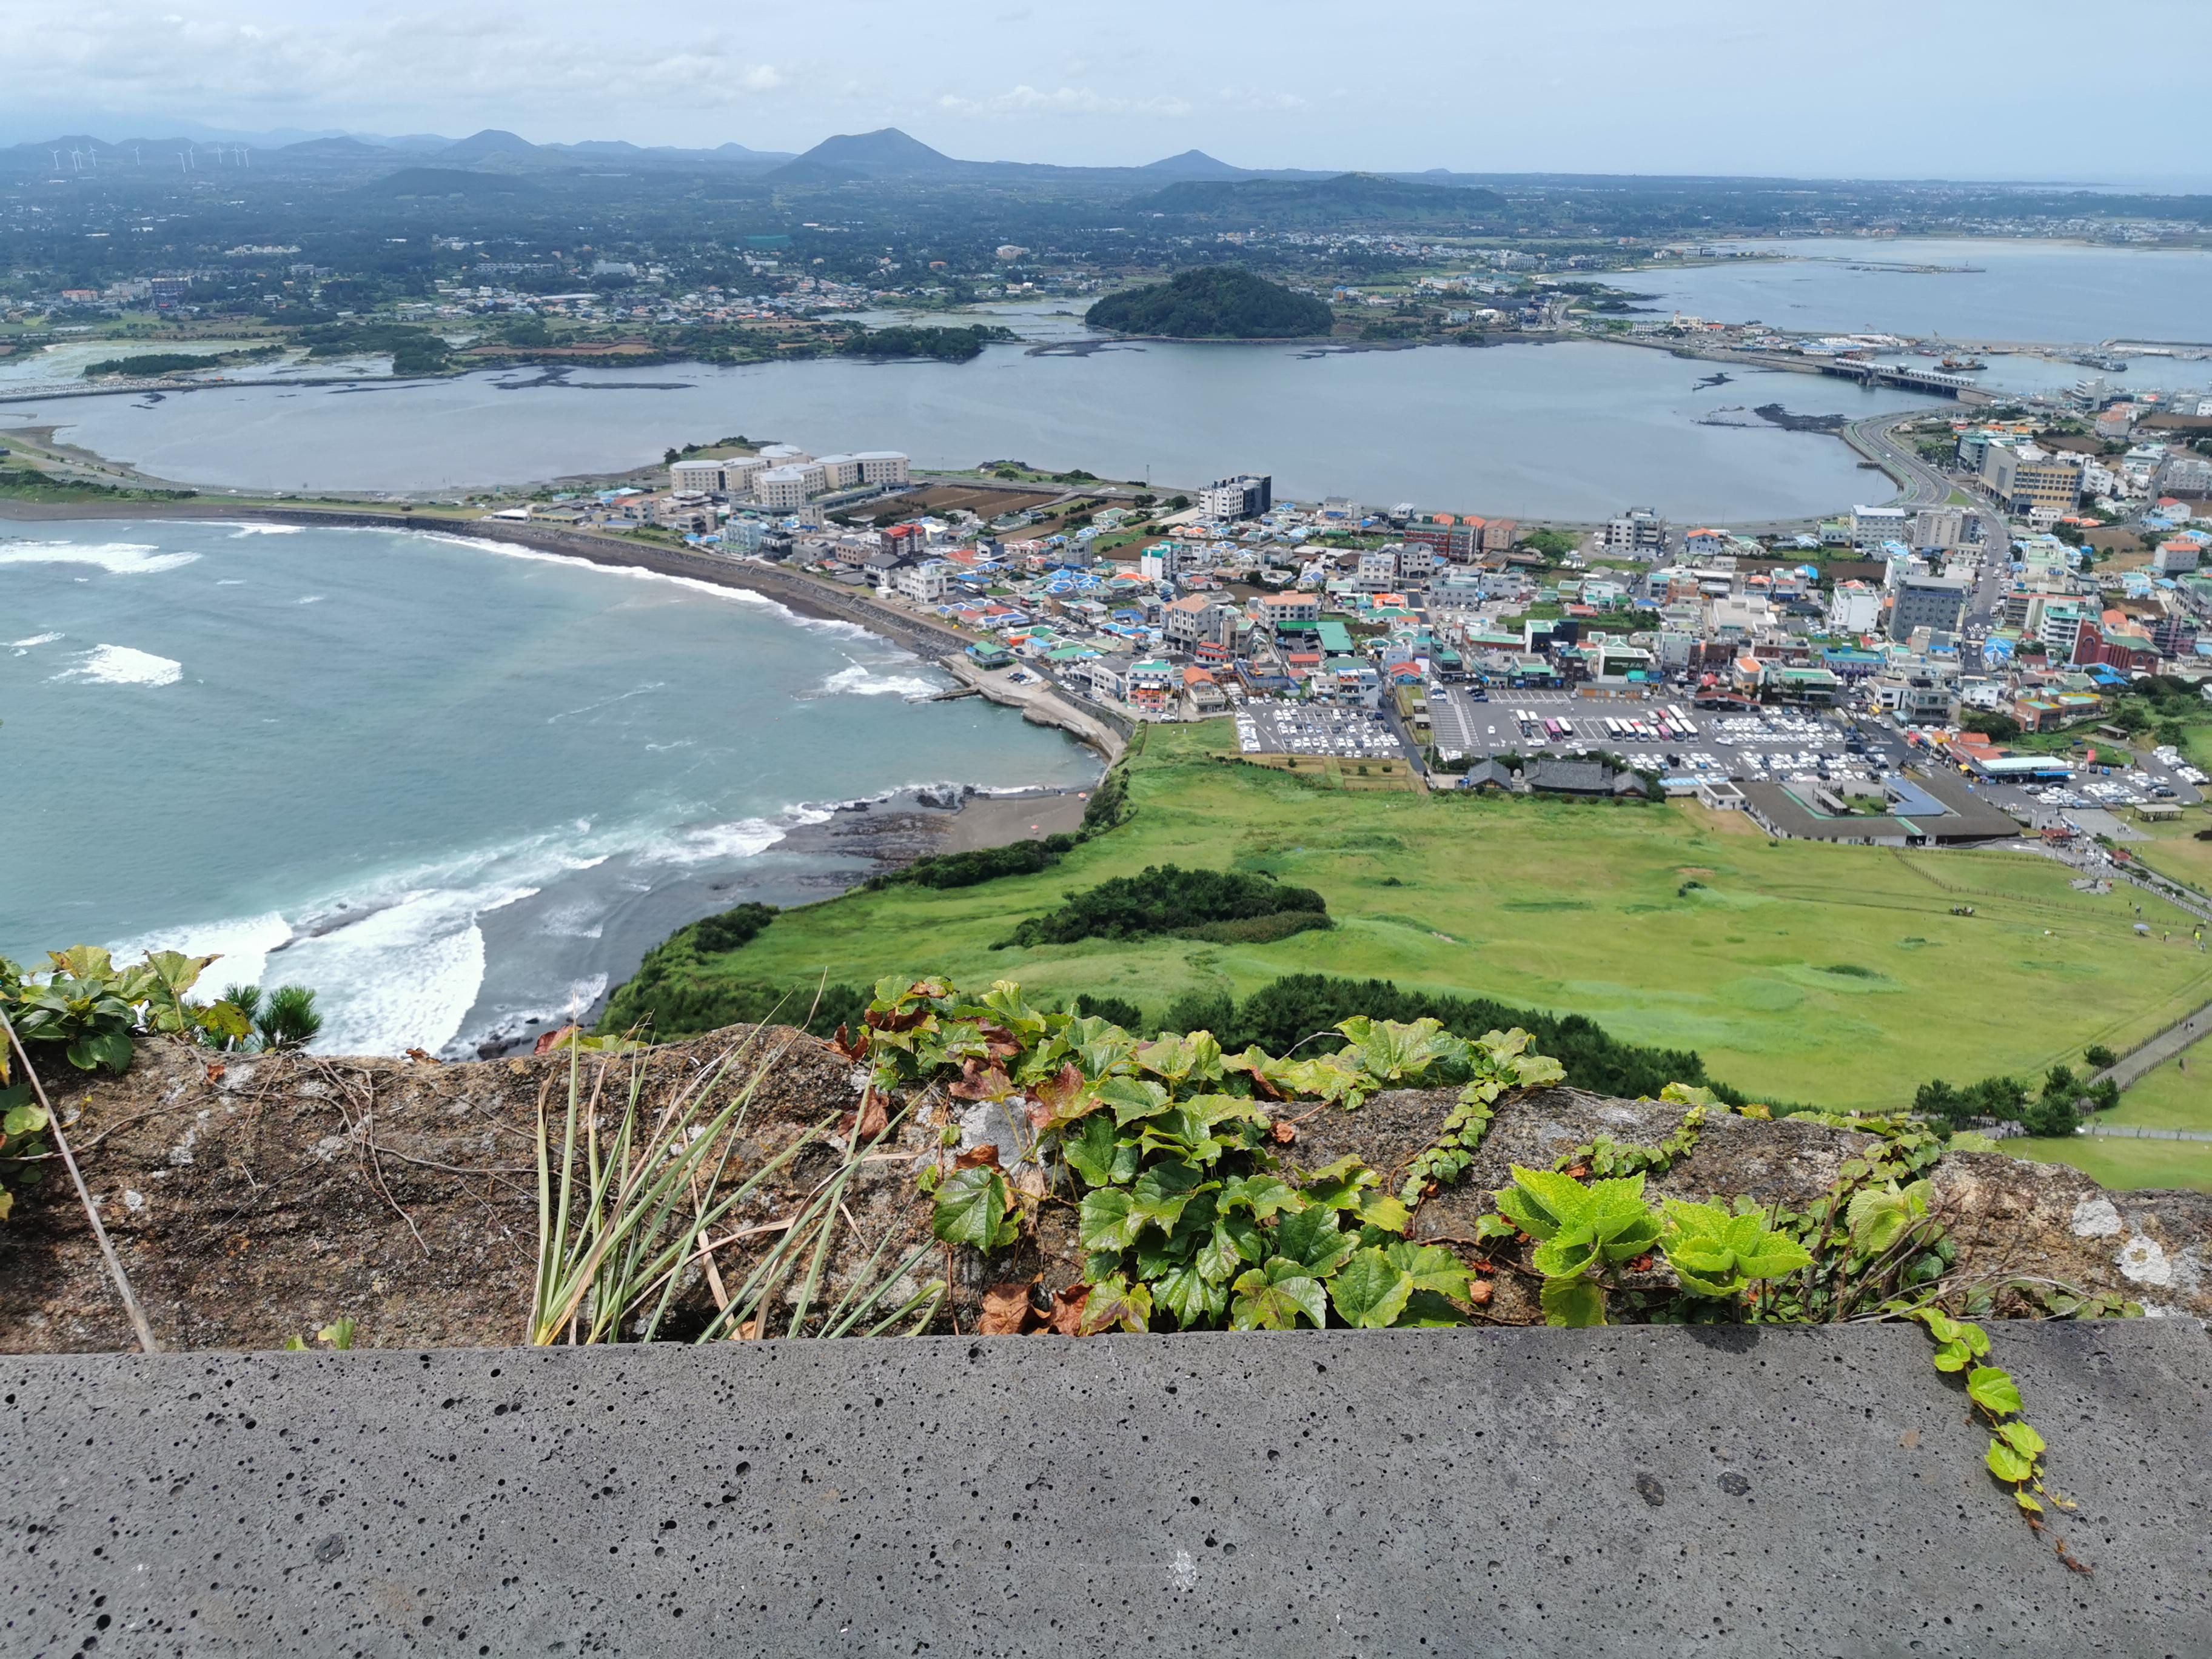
point(1576, 908)
point(2168, 1098)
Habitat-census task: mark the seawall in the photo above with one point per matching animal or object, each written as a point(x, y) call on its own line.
point(1647, 1491)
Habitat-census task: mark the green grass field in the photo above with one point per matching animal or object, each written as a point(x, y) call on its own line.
point(2168, 1098)
point(1811, 973)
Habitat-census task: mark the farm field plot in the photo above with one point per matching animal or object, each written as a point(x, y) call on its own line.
point(1808, 972)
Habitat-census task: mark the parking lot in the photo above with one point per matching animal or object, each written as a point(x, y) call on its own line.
point(1665, 734)
point(1345, 734)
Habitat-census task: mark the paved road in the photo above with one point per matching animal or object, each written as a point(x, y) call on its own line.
point(1922, 485)
point(2133, 1066)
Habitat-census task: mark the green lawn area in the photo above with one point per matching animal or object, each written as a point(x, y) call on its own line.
point(2123, 1166)
point(2173, 850)
point(1807, 972)
point(2167, 1099)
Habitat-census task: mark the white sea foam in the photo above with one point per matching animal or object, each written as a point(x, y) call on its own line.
point(311, 598)
point(231, 581)
point(713, 843)
point(121, 664)
point(23, 647)
point(604, 702)
point(117, 558)
point(831, 625)
point(244, 530)
point(862, 681)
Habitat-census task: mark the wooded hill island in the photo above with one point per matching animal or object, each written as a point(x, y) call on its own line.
point(1216, 302)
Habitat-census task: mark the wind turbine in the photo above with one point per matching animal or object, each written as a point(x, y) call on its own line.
point(57, 155)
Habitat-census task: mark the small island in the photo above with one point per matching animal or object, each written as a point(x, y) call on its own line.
point(1221, 303)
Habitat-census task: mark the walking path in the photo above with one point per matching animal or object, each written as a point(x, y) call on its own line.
point(2132, 1066)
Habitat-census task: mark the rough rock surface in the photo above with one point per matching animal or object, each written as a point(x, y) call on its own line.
point(260, 1198)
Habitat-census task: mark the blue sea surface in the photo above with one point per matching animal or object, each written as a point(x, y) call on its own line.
point(451, 786)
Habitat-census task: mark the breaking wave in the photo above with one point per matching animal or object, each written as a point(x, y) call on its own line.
point(119, 665)
point(117, 558)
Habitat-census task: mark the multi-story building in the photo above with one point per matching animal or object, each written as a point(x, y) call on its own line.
point(1245, 496)
point(1873, 525)
point(1855, 608)
point(785, 489)
point(2028, 479)
point(1639, 533)
point(1939, 528)
point(884, 466)
point(1273, 610)
point(701, 474)
point(1162, 562)
point(1196, 620)
point(1934, 603)
point(840, 472)
point(924, 583)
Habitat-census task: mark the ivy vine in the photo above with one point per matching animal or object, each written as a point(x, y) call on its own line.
point(1169, 1151)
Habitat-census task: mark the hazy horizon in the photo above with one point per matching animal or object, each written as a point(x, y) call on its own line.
point(1713, 88)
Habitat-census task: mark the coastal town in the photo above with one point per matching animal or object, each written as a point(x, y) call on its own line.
point(1966, 670)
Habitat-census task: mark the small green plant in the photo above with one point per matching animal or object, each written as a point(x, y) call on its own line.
point(338, 1336)
point(288, 1018)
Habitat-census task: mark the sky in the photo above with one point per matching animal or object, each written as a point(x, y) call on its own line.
point(1880, 88)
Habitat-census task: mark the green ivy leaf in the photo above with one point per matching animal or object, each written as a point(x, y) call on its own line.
point(1094, 1152)
point(1369, 1291)
point(1161, 1192)
point(1188, 1295)
point(1275, 1297)
point(1114, 1301)
point(24, 1120)
point(971, 1204)
point(1951, 1356)
point(1313, 1239)
point(1384, 1212)
point(1265, 1195)
point(1993, 1390)
point(1227, 1250)
point(1433, 1268)
point(2021, 1439)
point(1574, 1302)
point(1130, 1098)
point(1106, 1220)
point(2006, 1464)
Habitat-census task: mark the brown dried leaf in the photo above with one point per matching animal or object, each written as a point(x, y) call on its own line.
point(997, 1041)
point(424, 1056)
point(1479, 1292)
point(979, 1082)
point(1283, 1132)
point(977, 1155)
point(1057, 1098)
point(874, 1116)
point(1007, 1310)
point(1068, 1309)
point(216, 1069)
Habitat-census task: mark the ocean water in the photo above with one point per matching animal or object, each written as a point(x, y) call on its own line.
point(453, 788)
point(1574, 430)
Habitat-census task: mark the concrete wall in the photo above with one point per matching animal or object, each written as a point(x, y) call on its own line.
point(1646, 1492)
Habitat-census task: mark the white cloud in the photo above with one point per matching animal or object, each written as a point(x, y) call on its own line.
point(1026, 100)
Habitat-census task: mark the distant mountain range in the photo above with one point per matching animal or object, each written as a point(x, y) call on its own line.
point(886, 153)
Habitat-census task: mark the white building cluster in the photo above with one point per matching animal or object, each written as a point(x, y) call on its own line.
point(783, 479)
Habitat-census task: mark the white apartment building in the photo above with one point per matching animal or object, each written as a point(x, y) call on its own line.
point(1163, 563)
point(924, 583)
point(1873, 525)
point(703, 475)
point(1855, 608)
point(884, 466)
point(785, 489)
point(840, 472)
